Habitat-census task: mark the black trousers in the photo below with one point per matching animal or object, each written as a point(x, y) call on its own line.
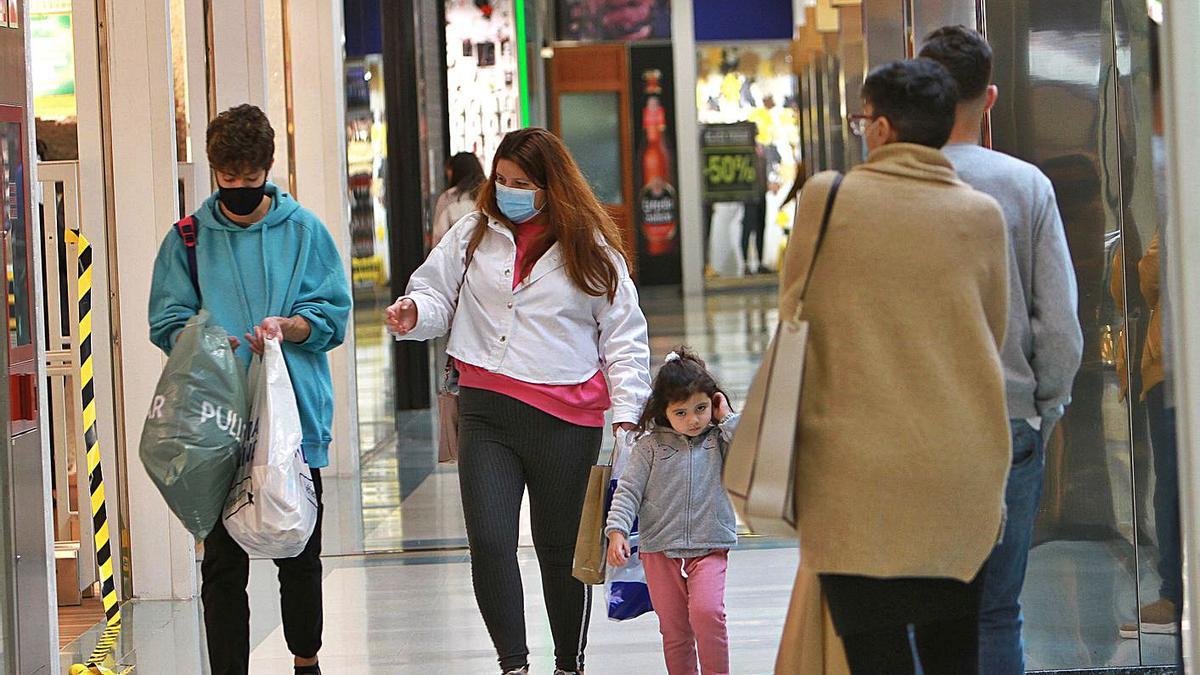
point(754, 223)
point(225, 573)
point(506, 446)
point(883, 621)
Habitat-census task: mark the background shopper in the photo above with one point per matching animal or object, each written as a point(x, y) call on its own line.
point(464, 177)
point(1044, 342)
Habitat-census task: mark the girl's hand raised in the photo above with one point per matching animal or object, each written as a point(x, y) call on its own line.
point(721, 408)
point(618, 549)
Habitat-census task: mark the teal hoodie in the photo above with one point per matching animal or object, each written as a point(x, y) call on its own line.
point(285, 265)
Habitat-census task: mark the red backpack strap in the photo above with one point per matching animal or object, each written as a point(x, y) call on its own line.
point(190, 234)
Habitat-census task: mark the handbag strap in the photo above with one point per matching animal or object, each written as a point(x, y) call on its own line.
point(470, 255)
point(818, 240)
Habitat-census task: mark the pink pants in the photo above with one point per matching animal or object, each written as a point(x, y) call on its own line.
point(689, 598)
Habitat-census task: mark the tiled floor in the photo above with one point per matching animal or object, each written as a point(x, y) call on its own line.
point(414, 613)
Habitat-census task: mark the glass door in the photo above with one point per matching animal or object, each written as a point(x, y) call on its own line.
point(591, 114)
point(12, 215)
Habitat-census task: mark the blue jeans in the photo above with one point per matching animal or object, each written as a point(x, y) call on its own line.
point(1001, 650)
point(1166, 496)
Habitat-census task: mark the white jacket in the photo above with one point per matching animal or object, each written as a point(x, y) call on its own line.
point(546, 331)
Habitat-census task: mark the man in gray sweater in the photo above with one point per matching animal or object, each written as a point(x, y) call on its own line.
point(1044, 343)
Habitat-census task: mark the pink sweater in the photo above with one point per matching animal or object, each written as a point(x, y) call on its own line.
point(580, 404)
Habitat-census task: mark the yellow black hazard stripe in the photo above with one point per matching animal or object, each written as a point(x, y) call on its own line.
point(108, 589)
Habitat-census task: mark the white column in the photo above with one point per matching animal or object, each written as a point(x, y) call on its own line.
point(320, 123)
point(277, 72)
point(145, 205)
point(1180, 60)
point(93, 223)
point(687, 133)
point(239, 53)
point(195, 29)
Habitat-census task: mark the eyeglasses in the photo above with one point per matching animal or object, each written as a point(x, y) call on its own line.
point(860, 122)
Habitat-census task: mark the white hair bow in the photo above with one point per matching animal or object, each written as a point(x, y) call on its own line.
point(671, 357)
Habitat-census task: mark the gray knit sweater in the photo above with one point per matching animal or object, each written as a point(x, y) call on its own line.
point(672, 485)
point(1044, 343)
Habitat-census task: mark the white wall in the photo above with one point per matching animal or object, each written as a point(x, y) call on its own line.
point(1181, 59)
point(691, 211)
point(320, 141)
point(239, 53)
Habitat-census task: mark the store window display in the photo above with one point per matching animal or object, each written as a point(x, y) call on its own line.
point(745, 99)
point(366, 172)
point(482, 75)
point(53, 78)
point(366, 156)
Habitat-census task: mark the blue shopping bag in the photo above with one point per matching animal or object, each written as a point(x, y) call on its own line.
point(625, 588)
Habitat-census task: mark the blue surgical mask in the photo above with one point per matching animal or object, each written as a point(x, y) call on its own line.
point(516, 204)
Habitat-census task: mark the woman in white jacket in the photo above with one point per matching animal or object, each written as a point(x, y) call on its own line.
point(547, 336)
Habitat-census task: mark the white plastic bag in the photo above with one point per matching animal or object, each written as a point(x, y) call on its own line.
point(272, 507)
point(625, 589)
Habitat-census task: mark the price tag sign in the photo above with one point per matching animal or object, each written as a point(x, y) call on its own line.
point(729, 160)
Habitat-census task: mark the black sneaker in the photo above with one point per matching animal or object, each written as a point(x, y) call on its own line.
point(523, 670)
point(309, 670)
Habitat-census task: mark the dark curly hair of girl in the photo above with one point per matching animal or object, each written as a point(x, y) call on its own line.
point(676, 381)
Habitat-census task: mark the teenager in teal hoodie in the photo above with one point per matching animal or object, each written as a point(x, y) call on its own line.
point(267, 268)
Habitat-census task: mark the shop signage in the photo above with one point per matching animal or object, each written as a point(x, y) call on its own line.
point(627, 21)
point(729, 161)
point(729, 21)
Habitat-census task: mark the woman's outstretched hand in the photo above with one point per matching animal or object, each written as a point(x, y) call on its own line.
point(402, 316)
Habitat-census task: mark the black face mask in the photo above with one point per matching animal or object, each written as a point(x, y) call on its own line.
point(242, 201)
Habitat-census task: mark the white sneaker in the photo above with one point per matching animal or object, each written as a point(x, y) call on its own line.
point(1158, 618)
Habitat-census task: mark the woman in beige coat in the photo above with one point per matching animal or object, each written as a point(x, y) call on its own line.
point(904, 439)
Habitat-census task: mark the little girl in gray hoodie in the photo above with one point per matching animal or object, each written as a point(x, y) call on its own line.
point(672, 486)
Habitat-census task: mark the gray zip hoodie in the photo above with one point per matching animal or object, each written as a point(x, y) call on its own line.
point(672, 485)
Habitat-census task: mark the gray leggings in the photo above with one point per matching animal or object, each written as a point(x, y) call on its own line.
point(507, 446)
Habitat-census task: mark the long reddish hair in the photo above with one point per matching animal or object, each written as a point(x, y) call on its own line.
point(573, 216)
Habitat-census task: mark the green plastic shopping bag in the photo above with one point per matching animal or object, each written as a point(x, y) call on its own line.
point(190, 441)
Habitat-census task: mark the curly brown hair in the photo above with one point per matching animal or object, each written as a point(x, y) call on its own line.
point(241, 140)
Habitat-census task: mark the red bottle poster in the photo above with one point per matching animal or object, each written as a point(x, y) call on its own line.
point(656, 201)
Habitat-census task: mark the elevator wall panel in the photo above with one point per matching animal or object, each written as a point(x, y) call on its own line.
point(930, 15)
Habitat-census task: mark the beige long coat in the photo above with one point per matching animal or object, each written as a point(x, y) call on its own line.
point(904, 439)
point(904, 444)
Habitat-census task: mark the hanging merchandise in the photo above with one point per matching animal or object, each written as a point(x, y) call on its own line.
point(190, 440)
point(625, 589)
point(484, 97)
